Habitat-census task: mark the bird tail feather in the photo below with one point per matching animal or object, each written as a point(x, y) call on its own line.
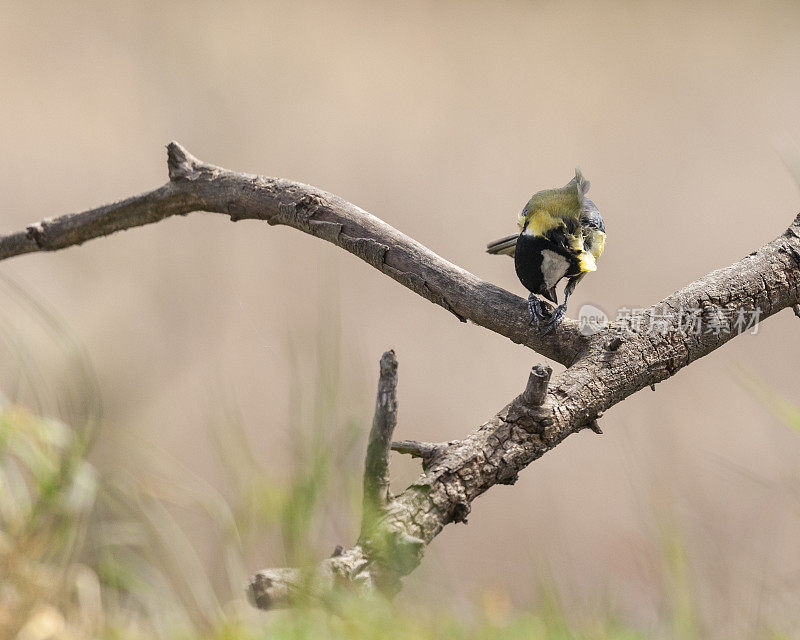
point(504, 246)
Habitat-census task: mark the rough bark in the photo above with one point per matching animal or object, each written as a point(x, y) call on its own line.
point(602, 369)
point(376, 463)
point(198, 186)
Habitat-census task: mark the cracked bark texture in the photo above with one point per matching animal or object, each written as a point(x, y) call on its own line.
point(376, 463)
point(602, 369)
point(199, 186)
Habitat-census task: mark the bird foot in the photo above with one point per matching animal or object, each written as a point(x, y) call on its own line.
point(544, 316)
point(556, 316)
point(537, 311)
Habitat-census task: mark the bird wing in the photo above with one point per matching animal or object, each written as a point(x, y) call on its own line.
point(547, 209)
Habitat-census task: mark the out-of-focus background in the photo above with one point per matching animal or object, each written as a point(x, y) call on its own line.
point(206, 343)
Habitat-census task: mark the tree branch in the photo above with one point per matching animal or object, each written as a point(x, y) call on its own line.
point(285, 587)
point(603, 369)
point(372, 562)
point(619, 361)
point(376, 465)
point(764, 282)
point(196, 186)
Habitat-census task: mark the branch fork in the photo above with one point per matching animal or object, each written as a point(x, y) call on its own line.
point(602, 369)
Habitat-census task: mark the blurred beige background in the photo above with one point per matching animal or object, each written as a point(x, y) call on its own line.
point(442, 118)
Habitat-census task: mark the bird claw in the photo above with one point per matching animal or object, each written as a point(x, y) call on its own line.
point(544, 318)
point(556, 316)
point(536, 310)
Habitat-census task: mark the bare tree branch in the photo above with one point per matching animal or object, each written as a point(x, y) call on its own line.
point(427, 451)
point(376, 465)
point(285, 587)
point(422, 450)
point(764, 282)
point(370, 564)
point(196, 186)
point(619, 361)
point(602, 369)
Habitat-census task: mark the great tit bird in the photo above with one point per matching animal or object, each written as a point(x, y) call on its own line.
point(561, 235)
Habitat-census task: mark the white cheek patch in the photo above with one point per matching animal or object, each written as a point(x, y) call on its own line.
point(554, 267)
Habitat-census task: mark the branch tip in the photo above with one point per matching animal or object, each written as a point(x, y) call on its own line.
point(536, 389)
point(389, 364)
point(595, 426)
point(181, 164)
point(273, 588)
point(425, 450)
